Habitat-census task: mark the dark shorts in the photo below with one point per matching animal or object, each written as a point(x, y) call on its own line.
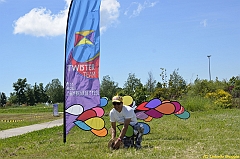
point(136, 139)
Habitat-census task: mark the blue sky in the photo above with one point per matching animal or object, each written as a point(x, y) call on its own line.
point(137, 36)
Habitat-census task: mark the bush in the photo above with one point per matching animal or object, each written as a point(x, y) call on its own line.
point(236, 103)
point(221, 98)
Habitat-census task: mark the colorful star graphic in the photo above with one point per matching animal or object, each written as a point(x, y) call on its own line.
point(84, 37)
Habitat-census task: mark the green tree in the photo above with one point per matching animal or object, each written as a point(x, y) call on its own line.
point(108, 88)
point(43, 94)
point(235, 86)
point(163, 75)
point(20, 87)
point(202, 87)
point(151, 84)
point(55, 91)
point(177, 86)
point(3, 99)
point(160, 93)
point(224, 85)
point(13, 99)
point(30, 99)
point(131, 84)
point(140, 94)
point(159, 85)
point(161, 90)
point(236, 89)
point(36, 93)
point(170, 89)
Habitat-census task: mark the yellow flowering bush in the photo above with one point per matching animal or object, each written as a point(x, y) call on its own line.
point(221, 98)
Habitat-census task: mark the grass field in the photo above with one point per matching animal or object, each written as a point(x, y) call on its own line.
point(210, 134)
point(23, 116)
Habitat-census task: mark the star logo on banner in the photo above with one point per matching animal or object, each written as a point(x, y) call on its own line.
point(84, 37)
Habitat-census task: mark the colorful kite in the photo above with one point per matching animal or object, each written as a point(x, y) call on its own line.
point(155, 108)
point(90, 120)
point(81, 77)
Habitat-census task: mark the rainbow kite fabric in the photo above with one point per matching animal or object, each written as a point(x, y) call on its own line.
point(81, 78)
point(156, 108)
point(90, 120)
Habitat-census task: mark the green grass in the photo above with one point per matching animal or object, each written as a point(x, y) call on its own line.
point(12, 117)
point(8, 121)
point(30, 109)
point(211, 133)
point(197, 103)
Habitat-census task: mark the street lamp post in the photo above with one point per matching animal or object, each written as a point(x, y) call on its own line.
point(209, 66)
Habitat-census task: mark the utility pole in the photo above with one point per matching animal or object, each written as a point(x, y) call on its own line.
point(209, 66)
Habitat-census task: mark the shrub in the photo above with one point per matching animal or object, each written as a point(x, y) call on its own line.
point(236, 103)
point(221, 98)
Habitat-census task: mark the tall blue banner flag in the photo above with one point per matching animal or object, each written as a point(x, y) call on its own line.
point(82, 50)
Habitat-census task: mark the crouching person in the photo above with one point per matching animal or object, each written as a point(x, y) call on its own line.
point(125, 115)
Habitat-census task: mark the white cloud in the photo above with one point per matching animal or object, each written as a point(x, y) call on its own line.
point(2, 1)
point(136, 8)
point(109, 14)
point(204, 23)
point(41, 22)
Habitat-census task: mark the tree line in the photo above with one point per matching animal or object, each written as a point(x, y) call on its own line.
point(223, 92)
point(28, 94)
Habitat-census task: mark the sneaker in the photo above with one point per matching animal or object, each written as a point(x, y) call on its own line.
point(126, 147)
point(138, 146)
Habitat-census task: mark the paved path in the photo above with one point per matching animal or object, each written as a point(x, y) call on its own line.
point(26, 129)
